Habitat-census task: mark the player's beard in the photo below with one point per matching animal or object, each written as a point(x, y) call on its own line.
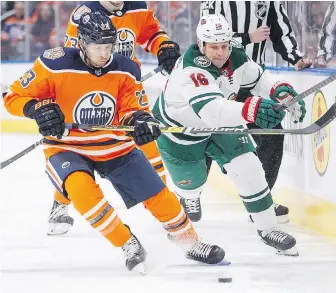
point(219, 63)
point(86, 59)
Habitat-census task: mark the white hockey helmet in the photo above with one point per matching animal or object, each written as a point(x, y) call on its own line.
point(213, 28)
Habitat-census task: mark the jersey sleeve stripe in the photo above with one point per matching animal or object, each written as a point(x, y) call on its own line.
point(149, 43)
point(198, 106)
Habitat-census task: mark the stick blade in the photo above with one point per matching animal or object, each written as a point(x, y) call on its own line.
point(328, 116)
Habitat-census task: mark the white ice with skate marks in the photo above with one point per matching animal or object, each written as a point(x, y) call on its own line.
point(82, 261)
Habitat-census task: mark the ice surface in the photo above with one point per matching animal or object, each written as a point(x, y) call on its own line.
point(83, 261)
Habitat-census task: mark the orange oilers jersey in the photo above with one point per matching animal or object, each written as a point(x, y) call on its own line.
point(135, 23)
point(104, 96)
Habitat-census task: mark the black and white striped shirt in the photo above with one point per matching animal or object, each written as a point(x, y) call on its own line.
point(246, 16)
point(328, 33)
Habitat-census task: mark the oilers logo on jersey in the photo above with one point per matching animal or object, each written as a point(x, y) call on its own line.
point(126, 42)
point(95, 108)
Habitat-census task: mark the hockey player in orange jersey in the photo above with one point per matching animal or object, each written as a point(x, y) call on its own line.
point(135, 24)
point(93, 85)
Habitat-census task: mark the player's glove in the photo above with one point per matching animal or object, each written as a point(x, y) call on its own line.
point(283, 91)
point(48, 116)
point(146, 128)
point(167, 55)
point(261, 112)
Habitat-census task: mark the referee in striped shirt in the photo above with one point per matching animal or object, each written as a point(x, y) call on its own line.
point(253, 22)
point(327, 37)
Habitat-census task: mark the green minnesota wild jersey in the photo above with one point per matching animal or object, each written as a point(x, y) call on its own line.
point(198, 94)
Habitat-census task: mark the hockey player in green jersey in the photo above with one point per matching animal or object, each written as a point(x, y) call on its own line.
point(201, 92)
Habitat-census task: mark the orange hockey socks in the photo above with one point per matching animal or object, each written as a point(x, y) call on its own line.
point(89, 201)
point(167, 209)
point(60, 198)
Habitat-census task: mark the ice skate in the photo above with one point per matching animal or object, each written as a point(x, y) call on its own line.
point(135, 255)
point(59, 220)
point(197, 250)
point(192, 208)
point(283, 242)
point(205, 253)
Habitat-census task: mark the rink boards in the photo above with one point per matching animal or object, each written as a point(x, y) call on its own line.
point(307, 175)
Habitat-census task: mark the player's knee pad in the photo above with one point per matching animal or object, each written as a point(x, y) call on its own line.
point(189, 194)
point(247, 173)
point(89, 201)
point(83, 190)
point(164, 205)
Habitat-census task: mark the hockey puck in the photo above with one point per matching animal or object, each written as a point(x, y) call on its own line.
point(225, 280)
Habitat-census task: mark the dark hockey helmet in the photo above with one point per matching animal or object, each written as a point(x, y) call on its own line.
point(96, 27)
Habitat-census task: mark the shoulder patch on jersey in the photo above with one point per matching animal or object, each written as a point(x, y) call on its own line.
point(54, 53)
point(202, 61)
point(80, 11)
point(62, 58)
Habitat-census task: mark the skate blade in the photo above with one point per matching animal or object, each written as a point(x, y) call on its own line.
point(283, 219)
point(289, 252)
point(196, 264)
point(222, 263)
point(140, 269)
point(56, 229)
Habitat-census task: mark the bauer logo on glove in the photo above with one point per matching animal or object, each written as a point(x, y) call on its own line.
point(167, 55)
point(48, 116)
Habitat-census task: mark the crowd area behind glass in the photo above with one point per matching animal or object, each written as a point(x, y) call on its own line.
point(30, 27)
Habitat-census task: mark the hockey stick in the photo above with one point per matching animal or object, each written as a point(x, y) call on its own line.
point(316, 126)
point(20, 154)
point(36, 144)
point(306, 93)
point(151, 73)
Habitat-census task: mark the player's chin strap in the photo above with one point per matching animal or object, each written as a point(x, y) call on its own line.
point(36, 144)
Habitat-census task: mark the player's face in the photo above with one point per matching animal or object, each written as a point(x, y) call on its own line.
point(217, 53)
point(99, 54)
